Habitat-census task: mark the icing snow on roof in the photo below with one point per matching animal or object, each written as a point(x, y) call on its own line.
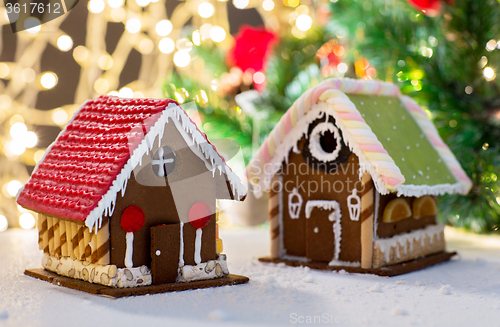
point(392, 136)
point(93, 157)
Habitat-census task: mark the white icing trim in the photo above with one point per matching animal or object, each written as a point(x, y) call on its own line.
point(196, 142)
point(354, 208)
point(315, 144)
point(129, 250)
point(375, 215)
point(406, 240)
point(161, 161)
point(334, 217)
point(282, 250)
point(181, 250)
point(197, 246)
point(344, 263)
point(294, 207)
point(206, 270)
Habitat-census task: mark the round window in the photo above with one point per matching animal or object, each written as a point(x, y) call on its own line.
point(324, 142)
point(163, 163)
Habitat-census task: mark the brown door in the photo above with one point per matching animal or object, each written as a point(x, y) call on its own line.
point(165, 247)
point(320, 235)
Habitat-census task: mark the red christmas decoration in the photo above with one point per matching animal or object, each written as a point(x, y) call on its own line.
point(430, 8)
point(200, 215)
point(133, 219)
point(251, 48)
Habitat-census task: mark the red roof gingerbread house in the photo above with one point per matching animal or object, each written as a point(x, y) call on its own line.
point(126, 196)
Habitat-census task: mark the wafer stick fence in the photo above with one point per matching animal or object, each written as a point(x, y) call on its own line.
point(63, 238)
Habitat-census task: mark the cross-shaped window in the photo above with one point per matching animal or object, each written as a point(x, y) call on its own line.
point(163, 163)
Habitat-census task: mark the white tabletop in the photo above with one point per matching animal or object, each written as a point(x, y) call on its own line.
point(275, 295)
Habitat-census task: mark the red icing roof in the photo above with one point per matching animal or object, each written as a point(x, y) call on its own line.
point(86, 158)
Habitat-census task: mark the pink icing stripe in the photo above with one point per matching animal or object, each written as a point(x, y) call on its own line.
point(460, 175)
point(350, 116)
point(438, 142)
point(379, 88)
point(391, 181)
point(372, 148)
point(265, 151)
point(359, 87)
point(287, 122)
point(318, 91)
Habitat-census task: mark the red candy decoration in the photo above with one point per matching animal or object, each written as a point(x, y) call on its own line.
point(200, 215)
point(251, 50)
point(133, 219)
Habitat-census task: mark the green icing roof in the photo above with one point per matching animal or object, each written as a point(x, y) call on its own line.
point(403, 139)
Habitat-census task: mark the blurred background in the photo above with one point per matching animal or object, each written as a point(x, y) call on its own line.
point(244, 62)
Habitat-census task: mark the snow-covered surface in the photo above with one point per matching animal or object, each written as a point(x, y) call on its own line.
point(464, 292)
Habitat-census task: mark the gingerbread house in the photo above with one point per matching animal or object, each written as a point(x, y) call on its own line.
point(126, 196)
point(353, 170)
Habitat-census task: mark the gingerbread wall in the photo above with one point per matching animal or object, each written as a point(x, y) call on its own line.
point(300, 237)
point(167, 201)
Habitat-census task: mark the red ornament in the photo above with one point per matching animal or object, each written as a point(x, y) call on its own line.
point(200, 215)
point(251, 49)
point(133, 219)
point(430, 8)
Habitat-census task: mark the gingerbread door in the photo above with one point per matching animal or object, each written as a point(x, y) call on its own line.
point(165, 248)
point(322, 225)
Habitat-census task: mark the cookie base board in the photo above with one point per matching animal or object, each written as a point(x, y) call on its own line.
point(389, 271)
point(97, 289)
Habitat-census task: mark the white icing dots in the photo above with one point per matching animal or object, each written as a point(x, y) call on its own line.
point(408, 147)
point(403, 117)
point(361, 103)
point(417, 145)
point(388, 139)
point(427, 176)
point(389, 102)
point(428, 168)
point(375, 102)
point(378, 115)
point(393, 127)
point(414, 176)
point(402, 159)
point(420, 173)
point(316, 230)
point(158, 253)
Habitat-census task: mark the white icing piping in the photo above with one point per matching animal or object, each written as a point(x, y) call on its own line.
point(314, 143)
point(197, 246)
point(334, 217)
point(294, 207)
point(106, 205)
point(344, 263)
point(129, 250)
point(375, 215)
point(181, 250)
point(354, 207)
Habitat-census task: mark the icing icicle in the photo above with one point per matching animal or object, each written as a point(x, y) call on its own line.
point(130, 250)
point(197, 246)
point(181, 249)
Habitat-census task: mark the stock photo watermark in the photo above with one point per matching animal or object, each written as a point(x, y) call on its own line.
point(29, 15)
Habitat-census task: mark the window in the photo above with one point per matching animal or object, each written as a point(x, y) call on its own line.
point(163, 163)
